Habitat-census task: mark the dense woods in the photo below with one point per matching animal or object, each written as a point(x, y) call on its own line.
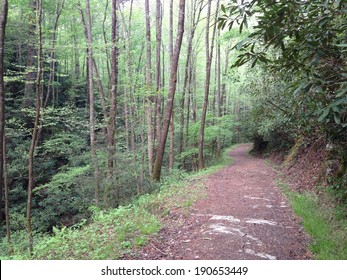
point(102, 101)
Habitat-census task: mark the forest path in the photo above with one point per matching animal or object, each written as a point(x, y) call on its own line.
point(244, 216)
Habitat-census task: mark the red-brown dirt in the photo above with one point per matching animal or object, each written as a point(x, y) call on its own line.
point(244, 216)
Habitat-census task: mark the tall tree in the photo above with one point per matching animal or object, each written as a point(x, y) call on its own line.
point(219, 106)
point(30, 77)
point(158, 99)
point(172, 89)
point(209, 54)
point(196, 8)
point(3, 21)
point(36, 124)
point(149, 89)
point(91, 103)
point(114, 82)
point(52, 64)
point(171, 127)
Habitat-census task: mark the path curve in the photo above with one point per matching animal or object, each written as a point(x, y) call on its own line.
point(244, 216)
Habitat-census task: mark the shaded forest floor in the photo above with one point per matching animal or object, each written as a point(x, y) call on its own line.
point(243, 216)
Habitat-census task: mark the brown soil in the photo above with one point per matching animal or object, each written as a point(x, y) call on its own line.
point(307, 169)
point(244, 216)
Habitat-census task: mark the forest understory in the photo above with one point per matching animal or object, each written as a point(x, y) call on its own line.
point(109, 110)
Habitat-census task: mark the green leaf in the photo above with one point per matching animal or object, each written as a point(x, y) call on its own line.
point(337, 118)
point(337, 3)
point(240, 44)
point(324, 115)
point(341, 92)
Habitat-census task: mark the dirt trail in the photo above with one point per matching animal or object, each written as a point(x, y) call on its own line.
point(244, 216)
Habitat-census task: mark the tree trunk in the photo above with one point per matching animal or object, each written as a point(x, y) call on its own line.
point(172, 88)
point(149, 87)
point(7, 208)
point(3, 22)
point(128, 91)
point(194, 23)
point(219, 112)
point(171, 126)
point(98, 79)
point(158, 67)
point(209, 53)
point(30, 77)
point(91, 103)
point(114, 84)
point(59, 8)
point(36, 124)
point(105, 39)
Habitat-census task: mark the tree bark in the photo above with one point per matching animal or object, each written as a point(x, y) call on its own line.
point(194, 23)
point(149, 88)
point(158, 97)
point(91, 103)
point(209, 54)
point(105, 39)
point(219, 111)
point(30, 77)
point(3, 22)
point(171, 126)
point(114, 84)
point(59, 8)
point(7, 208)
point(172, 88)
point(98, 79)
point(31, 182)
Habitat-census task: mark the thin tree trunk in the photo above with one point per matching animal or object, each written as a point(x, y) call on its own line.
point(149, 85)
point(30, 77)
point(209, 53)
point(59, 8)
point(187, 68)
point(189, 97)
point(172, 143)
point(91, 104)
point(219, 112)
point(105, 39)
point(101, 91)
point(97, 76)
point(143, 152)
point(50, 87)
point(126, 114)
point(77, 71)
point(172, 88)
point(171, 127)
point(225, 77)
point(158, 67)
point(7, 208)
point(3, 22)
point(128, 105)
point(114, 82)
point(36, 125)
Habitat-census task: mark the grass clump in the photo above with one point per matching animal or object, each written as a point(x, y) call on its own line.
point(110, 234)
point(327, 230)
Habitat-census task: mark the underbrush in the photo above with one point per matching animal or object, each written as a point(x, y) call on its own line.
point(114, 233)
point(323, 222)
point(110, 234)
